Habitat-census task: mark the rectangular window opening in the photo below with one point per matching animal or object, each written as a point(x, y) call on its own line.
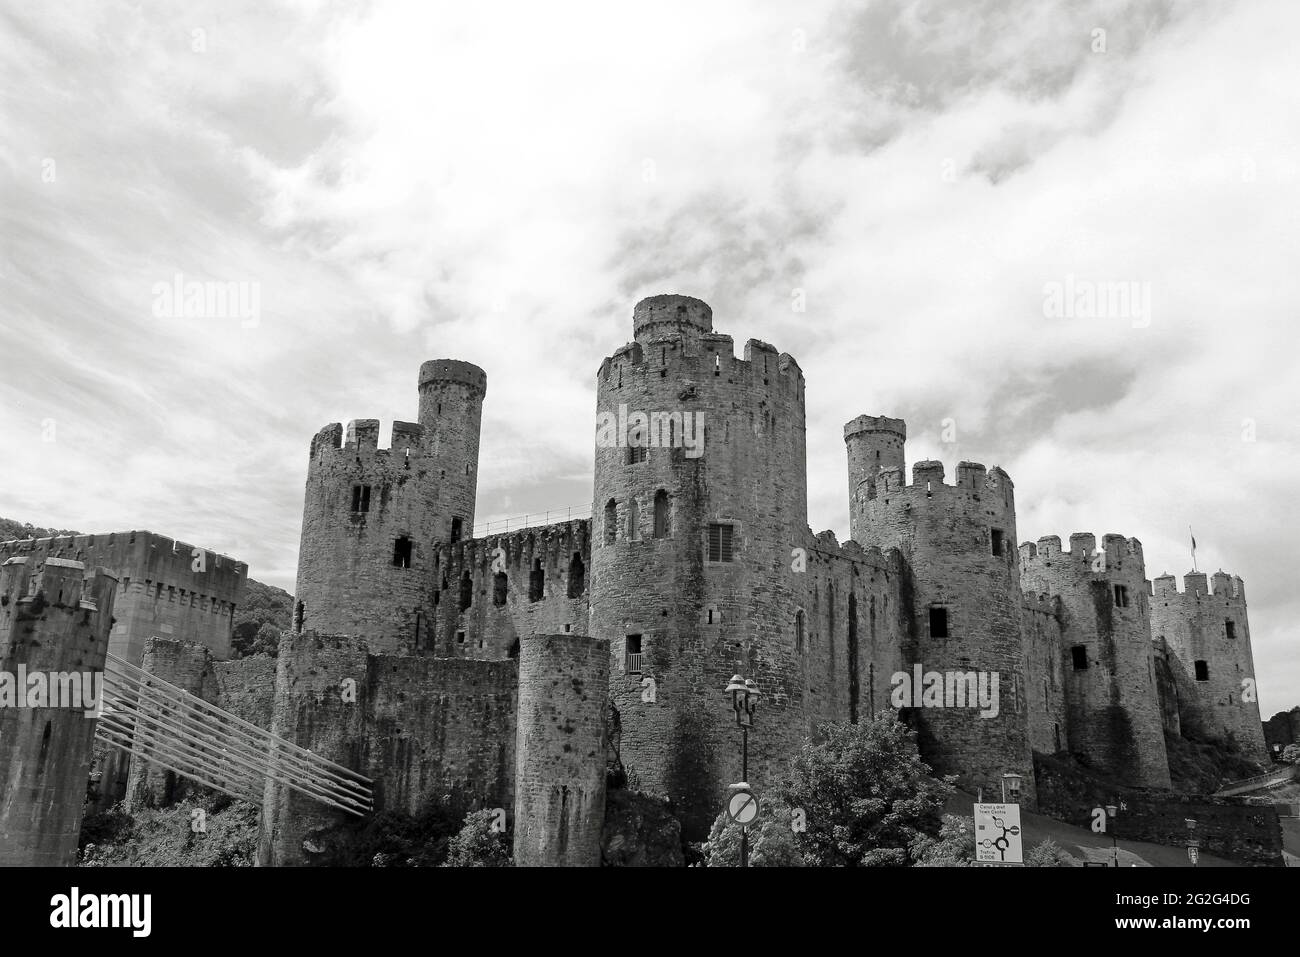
point(938, 622)
point(402, 552)
point(1079, 656)
point(632, 655)
point(720, 539)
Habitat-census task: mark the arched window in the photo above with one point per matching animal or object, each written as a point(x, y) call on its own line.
point(536, 581)
point(500, 582)
point(577, 576)
point(633, 519)
point(611, 522)
point(466, 591)
point(662, 527)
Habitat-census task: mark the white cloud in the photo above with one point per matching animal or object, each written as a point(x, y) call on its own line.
point(500, 183)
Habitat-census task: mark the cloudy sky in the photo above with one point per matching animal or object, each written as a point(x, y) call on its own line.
point(886, 190)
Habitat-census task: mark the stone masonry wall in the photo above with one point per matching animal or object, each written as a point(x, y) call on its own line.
point(529, 582)
point(957, 543)
point(561, 746)
point(1110, 684)
point(421, 728)
point(1221, 700)
point(699, 621)
point(54, 620)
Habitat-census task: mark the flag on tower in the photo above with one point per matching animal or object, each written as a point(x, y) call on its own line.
point(1189, 532)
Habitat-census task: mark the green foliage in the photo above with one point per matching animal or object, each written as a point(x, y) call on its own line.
point(167, 837)
point(1203, 765)
point(866, 794)
point(11, 530)
point(1048, 854)
point(478, 844)
point(954, 846)
point(394, 839)
point(772, 841)
point(1291, 754)
point(265, 613)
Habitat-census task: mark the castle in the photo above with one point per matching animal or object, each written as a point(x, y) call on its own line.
point(697, 564)
point(509, 669)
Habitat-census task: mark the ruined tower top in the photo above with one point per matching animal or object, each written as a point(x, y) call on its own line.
point(671, 315)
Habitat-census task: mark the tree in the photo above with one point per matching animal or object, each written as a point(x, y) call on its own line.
point(1048, 854)
point(772, 841)
point(865, 794)
point(479, 844)
point(954, 847)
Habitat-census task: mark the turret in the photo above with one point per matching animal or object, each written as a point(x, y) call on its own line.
point(874, 442)
point(966, 605)
point(1111, 699)
point(700, 497)
point(1207, 633)
point(372, 515)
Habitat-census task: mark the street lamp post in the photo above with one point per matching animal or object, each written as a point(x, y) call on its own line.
point(1011, 786)
point(744, 700)
point(1111, 812)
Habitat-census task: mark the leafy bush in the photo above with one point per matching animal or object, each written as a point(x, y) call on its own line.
point(954, 847)
point(479, 844)
point(168, 837)
point(1048, 854)
point(865, 793)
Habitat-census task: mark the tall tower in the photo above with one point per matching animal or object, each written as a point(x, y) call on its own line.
point(956, 541)
point(1208, 636)
point(1112, 704)
point(54, 620)
point(372, 515)
point(874, 442)
point(692, 536)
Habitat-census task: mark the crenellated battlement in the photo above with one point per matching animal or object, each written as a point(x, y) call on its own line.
point(552, 543)
point(824, 546)
point(1195, 585)
point(143, 556)
point(928, 482)
point(453, 371)
point(362, 436)
point(670, 357)
point(1083, 548)
point(875, 423)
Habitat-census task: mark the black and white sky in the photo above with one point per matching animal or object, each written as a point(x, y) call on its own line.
point(886, 190)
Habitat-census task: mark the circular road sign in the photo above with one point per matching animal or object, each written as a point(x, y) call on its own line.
point(742, 807)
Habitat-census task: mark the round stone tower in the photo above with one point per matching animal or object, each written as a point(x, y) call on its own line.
point(1208, 637)
point(451, 412)
point(967, 643)
point(700, 498)
point(372, 515)
point(874, 442)
point(560, 751)
point(1112, 705)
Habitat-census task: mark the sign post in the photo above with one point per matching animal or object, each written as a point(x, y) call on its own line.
point(998, 839)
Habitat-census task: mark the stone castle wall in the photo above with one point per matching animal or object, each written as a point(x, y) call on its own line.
point(493, 591)
point(160, 592)
point(1112, 701)
point(966, 606)
point(699, 621)
point(421, 728)
point(54, 619)
point(1210, 625)
point(561, 747)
